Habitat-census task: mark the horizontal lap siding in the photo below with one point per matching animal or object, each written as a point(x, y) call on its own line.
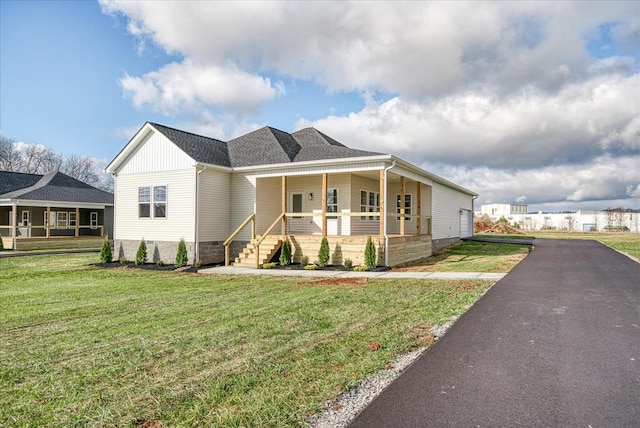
point(180, 220)
point(214, 200)
point(359, 226)
point(243, 193)
point(269, 202)
point(447, 204)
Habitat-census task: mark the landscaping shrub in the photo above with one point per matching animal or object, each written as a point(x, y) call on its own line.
point(360, 268)
point(323, 254)
point(285, 253)
point(106, 254)
point(370, 254)
point(181, 256)
point(159, 263)
point(304, 260)
point(310, 267)
point(141, 254)
point(1, 244)
point(268, 265)
point(347, 263)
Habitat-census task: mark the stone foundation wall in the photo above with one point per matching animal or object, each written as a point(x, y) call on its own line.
point(211, 252)
point(156, 250)
point(439, 244)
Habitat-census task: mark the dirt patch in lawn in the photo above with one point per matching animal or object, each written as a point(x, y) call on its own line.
point(336, 281)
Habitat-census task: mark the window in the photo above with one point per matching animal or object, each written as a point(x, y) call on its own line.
point(363, 204)
point(52, 221)
point(72, 219)
point(25, 218)
point(160, 201)
point(144, 202)
point(62, 220)
point(156, 198)
point(94, 220)
point(332, 201)
point(369, 202)
point(407, 205)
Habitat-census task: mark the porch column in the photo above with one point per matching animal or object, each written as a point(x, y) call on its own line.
point(284, 204)
point(383, 197)
point(418, 219)
point(324, 204)
point(78, 223)
point(14, 223)
point(401, 206)
point(47, 227)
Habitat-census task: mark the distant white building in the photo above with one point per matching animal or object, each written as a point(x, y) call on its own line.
point(579, 221)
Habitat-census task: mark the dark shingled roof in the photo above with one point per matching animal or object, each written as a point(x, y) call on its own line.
point(199, 148)
point(55, 186)
point(11, 181)
point(265, 146)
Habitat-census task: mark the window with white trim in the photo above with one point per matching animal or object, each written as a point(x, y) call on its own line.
point(144, 202)
point(332, 200)
point(52, 221)
point(160, 201)
point(62, 220)
point(152, 196)
point(364, 206)
point(407, 205)
point(369, 202)
point(25, 218)
point(72, 219)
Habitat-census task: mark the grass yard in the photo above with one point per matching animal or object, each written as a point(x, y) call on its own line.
point(625, 242)
point(471, 256)
point(83, 345)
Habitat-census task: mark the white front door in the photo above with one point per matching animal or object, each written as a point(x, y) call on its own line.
point(296, 205)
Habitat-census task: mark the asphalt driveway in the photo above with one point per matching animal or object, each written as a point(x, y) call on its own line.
point(556, 343)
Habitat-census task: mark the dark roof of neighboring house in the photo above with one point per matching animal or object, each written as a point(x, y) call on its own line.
point(265, 146)
point(54, 186)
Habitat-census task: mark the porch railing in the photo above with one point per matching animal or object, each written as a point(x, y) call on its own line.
point(6, 231)
point(264, 235)
point(251, 219)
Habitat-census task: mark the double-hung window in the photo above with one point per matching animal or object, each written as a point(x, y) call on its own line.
point(332, 201)
point(369, 202)
point(152, 196)
point(407, 205)
point(62, 220)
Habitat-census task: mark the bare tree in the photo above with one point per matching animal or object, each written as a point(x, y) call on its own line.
point(81, 168)
point(7, 153)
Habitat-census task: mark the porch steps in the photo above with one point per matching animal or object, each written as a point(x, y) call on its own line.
point(268, 247)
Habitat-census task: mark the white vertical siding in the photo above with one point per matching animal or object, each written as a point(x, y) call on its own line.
point(156, 153)
point(243, 194)
point(214, 198)
point(180, 220)
point(447, 204)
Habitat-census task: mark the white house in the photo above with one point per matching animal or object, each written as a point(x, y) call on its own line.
point(246, 195)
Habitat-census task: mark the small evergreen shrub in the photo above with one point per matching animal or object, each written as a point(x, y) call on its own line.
point(1, 244)
point(370, 254)
point(268, 265)
point(141, 254)
point(347, 263)
point(159, 263)
point(310, 267)
point(197, 264)
point(304, 260)
point(181, 256)
point(324, 254)
point(285, 253)
point(123, 260)
point(106, 255)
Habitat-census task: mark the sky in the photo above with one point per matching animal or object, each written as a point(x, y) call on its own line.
point(522, 102)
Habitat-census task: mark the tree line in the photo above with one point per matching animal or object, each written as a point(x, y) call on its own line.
point(39, 159)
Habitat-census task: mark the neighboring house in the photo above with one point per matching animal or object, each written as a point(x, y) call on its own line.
point(244, 196)
point(52, 211)
point(502, 210)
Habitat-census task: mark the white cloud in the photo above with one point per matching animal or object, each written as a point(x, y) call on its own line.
point(177, 87)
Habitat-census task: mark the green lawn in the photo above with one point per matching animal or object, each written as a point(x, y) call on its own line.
point(83, 345)
point(472, 256)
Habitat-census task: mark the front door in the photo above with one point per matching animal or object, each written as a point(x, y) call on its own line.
point(296, 204)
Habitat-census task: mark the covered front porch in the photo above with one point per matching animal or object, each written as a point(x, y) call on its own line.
point(347, 208)
point(31, 226)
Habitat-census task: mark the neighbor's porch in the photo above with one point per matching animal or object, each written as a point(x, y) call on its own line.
point(28, 227)
point(346, 208)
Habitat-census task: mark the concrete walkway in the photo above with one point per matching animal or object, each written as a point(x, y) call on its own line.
point(232, 270)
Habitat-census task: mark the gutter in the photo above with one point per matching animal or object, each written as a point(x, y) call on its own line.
point(386, 237)
point(196, 240)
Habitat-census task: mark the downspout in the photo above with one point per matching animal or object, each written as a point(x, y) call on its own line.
point(196, 241)
point(15, 226)
point(386, 195)
point(473, 212)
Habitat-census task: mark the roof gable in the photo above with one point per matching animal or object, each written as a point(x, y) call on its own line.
point(312, 137)
point(264, 146)
point(199, 148)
